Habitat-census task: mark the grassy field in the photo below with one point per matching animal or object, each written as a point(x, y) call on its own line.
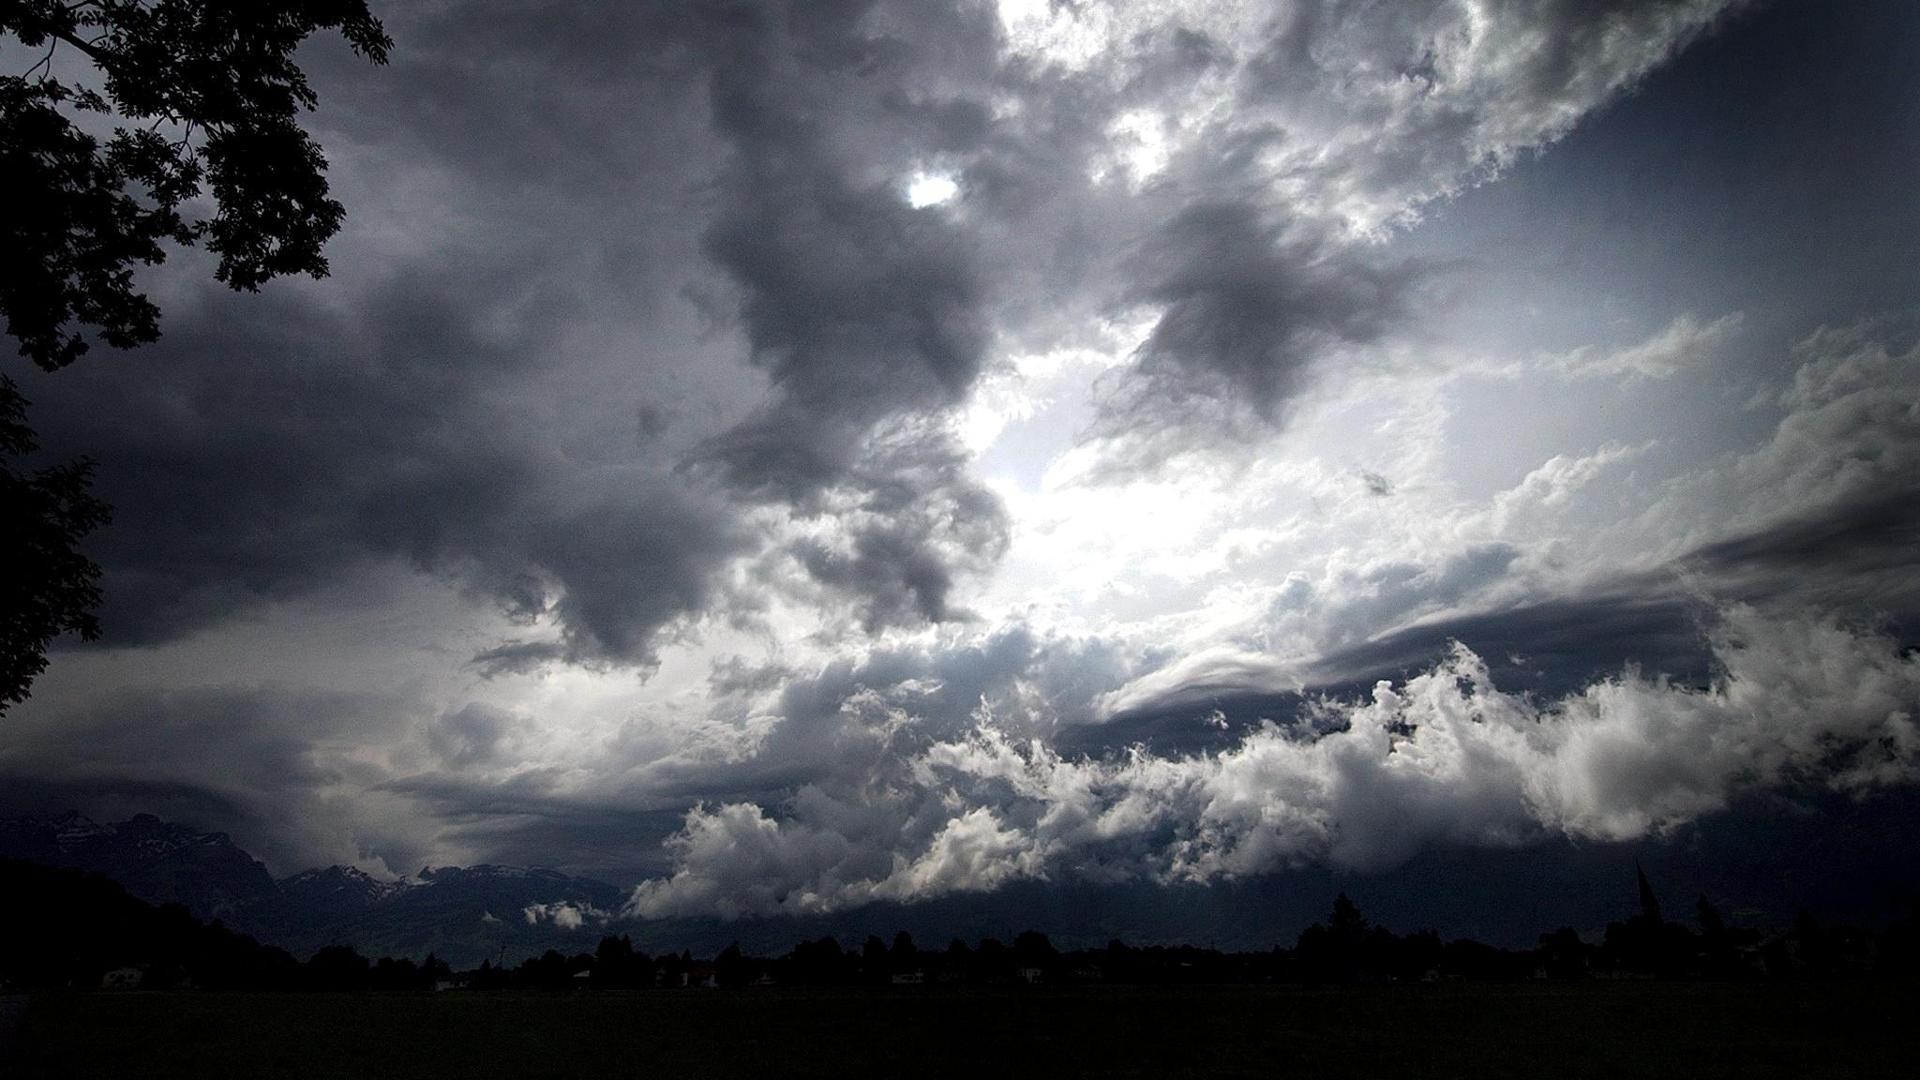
point(1560, 1031)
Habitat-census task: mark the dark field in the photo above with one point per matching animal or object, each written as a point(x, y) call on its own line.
point(1559, 1031)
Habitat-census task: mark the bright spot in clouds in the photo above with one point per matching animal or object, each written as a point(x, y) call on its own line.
point(931, 189)
point(1139, 148)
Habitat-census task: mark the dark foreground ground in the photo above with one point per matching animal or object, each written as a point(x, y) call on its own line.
point(1559, 1031)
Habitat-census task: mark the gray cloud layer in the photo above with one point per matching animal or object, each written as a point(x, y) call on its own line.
point(871, 319)
point(638, 344)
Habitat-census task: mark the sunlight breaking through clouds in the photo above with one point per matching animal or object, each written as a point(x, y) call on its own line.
point(931, 189)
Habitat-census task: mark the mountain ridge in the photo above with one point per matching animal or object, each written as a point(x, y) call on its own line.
point(464, 914)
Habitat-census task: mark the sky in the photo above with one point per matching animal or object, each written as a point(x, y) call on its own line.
point(787, 458)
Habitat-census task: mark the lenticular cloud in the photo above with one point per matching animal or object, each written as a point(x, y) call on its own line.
point(1445, 758)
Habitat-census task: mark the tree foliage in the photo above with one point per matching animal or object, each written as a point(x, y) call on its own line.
point(202, 99)
point(207, 98)
point(51, 587)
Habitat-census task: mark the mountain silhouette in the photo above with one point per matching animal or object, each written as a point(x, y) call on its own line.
point(464, 914)
point(155, 860)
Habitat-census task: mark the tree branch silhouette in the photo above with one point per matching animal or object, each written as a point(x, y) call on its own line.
point(79, 215)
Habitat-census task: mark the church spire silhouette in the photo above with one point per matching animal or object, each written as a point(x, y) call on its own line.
point(1649, 904)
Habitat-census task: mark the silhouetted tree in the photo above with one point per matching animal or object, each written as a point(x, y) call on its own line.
point(202, 95)
point(489, 977)
point(1810, 952)
point(1343, 949)
point(1562, 954)
point(1414, 956)
point(337, 967)
point(616, 966)
point(1122, 961)
point(65, 928)
point(551, 970)
point(1465, 958)
point(816, 963)
point(389, 973)
point(992, 961)
point(433, 971)
point(673, 968)
point(612, 951)
point(903, 956)
point(873, 959)
point(956, 964)
point(1032, 949)
point(210, 95)
point(50, 587)
point(730, 968)
point(1900, 946)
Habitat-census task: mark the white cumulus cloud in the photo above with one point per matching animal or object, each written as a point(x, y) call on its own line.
point(1445, 757)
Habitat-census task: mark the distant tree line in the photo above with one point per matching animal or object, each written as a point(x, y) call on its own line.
point(66, 928)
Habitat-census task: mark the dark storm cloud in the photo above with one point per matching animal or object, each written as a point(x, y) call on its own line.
point(517, 657)
point(522, 91)
point(1552, 646)
point(1245, 312)
point(291, 444)
point(628, 565)
point(859, 306)
point(110, 798)
point(251, 761)
point(1822, 513)
point(255, 461)
point(582, 181)
point(866, 313)
point(269, 445)
point(523, 820)
point(917, 517)
point(1860, 551)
